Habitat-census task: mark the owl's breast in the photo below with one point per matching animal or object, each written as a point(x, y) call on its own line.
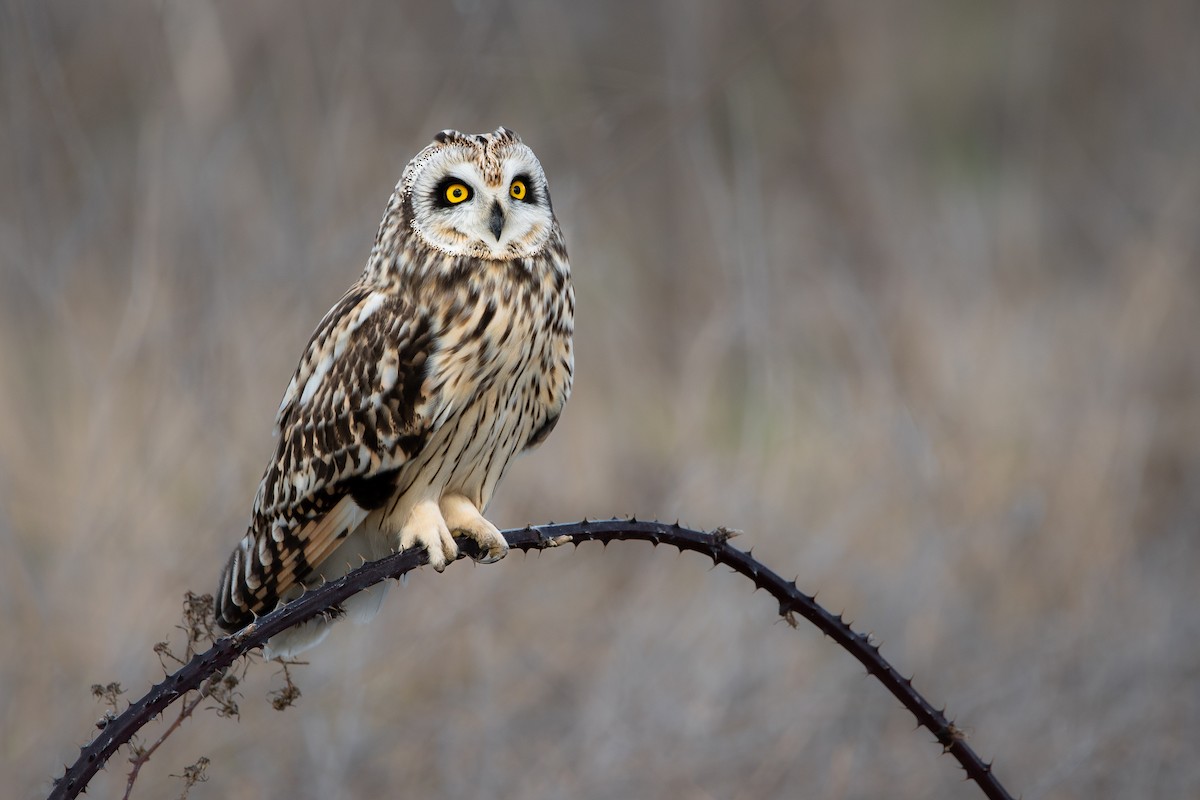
point(501, 339)
point(498, 378)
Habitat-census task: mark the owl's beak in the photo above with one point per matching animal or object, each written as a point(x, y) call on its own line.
point(496, 223)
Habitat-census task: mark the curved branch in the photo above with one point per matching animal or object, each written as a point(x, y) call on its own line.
point(714, 544)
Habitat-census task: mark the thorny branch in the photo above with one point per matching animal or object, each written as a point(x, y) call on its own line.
point(328, 598)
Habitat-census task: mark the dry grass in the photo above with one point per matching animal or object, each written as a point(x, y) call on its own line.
point(910, 295)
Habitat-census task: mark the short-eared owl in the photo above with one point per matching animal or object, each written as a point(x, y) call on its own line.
point(448, 356)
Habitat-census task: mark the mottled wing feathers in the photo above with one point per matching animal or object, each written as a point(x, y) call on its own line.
point(354, 412)
point(355, 405)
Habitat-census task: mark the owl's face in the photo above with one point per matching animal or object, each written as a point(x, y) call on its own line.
point(483, 196)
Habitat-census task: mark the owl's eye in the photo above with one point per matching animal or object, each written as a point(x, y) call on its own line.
point(517, 189)
point(456, 193)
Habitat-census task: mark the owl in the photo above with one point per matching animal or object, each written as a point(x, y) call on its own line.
point(448, 356)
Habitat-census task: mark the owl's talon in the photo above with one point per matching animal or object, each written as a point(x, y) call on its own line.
point(426, 528)
point(462, 517)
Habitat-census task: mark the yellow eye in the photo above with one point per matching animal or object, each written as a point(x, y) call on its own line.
point(456, 193)
point(517, 190)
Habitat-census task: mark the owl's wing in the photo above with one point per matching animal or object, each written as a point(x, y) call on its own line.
point(355, 411)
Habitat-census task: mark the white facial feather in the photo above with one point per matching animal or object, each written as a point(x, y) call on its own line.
point(464, 229)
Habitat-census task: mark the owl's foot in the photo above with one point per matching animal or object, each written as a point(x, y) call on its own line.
point(425, 527)
point(463, 518)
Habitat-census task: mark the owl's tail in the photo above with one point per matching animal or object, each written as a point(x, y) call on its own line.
point(274, 565)
point(233, 608)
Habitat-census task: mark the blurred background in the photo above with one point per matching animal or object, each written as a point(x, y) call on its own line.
point(908, 292)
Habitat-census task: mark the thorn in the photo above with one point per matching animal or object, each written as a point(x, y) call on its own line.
point(633, 519)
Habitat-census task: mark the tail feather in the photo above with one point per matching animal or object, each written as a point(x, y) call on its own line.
point(263, 570)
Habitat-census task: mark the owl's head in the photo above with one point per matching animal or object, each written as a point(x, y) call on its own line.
point(481, 195)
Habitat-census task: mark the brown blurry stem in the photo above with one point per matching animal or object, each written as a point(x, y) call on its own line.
point(327, 599)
